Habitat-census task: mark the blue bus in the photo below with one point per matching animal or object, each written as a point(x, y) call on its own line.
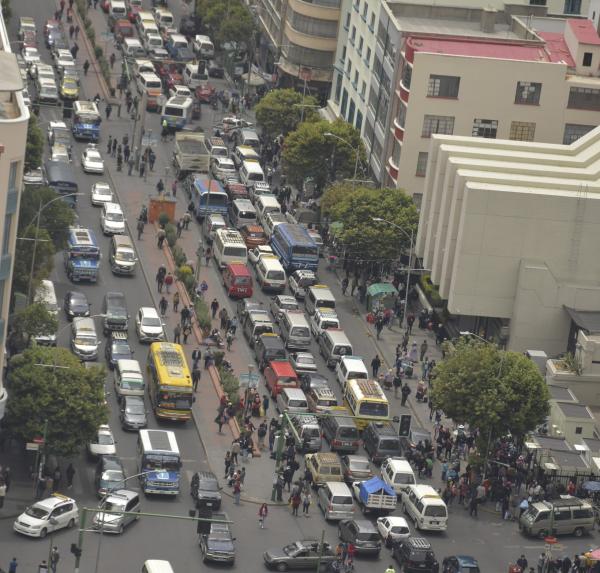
point(82, 255)
point(207, 203)
point(294, 247)
point(86, 121)
point(159, 462)
point(61, 177)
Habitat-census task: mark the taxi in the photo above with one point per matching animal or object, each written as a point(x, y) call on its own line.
point(280, 374)
point(323, 319)
point(47, 515)
point(69, 88)
point(237, 280)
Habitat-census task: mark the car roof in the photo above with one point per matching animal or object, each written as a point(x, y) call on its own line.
point(123, 494)
point(104, 429)
point(466, 560)
point(283, 368)
point(54, 500)
point(149, 311)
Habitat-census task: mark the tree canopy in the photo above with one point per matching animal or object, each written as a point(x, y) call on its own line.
point(227, 21)
point(44, 259)
point(356, 207)
point(308, 152)
point(280, 111)
point(490, 389)
point(34, 147)
point(34, 320)
point(52, 384)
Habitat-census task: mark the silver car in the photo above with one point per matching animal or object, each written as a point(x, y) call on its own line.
point(119, 500)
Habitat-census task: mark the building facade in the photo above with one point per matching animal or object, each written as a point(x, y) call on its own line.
point(14, 117)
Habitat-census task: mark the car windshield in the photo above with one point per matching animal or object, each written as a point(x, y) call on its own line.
point(360, 465)
point(113, 475)
point(291, 549)
point(93, 156)
point(374, 409)
point(103, 191)
point(135, 408)
point(399, 529)
point(105, 440)
point(115, 217)
point(305, 359)
point(209, 485)
point(121, 349)
point(367, 536)
point(436, 511)
point(36, 511)
point(156, 462)
point(151, 321)
point(85, 341)
point(404, 478)
point(288, 305)
point(113, 506)
point(126, 255)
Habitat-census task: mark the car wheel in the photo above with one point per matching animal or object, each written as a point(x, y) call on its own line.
point(282, 567)
point(71, 523)
point(120, 530)
point(578, 532)
point(43, 533)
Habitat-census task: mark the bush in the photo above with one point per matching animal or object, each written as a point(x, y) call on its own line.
point(203, 315)
point(171, 231)
point(431, 292)
point(185, 275)
point(230, 385)
point(98, 52)
point(91, 34)
point(179, 256)
point(218, 356)
point(163, 219)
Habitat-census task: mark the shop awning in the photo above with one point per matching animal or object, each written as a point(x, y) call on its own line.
point(378, 289)
point(588, 320)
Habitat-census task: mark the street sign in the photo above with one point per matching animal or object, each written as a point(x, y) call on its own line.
point(32, 447)
point(249, 379)
point(38, 440)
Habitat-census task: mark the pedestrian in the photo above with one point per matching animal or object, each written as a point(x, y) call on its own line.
point(397, 382)
point(174, 188)
point(54, 558)
point(405, 393)
point(196, 376)
point(77, 35)
point(423, 350)
point(375, 365)
point(160, 280)
point(262, 433)
point(2, 493)
point(207, 254)
point(229, 338)
point(237, 491)
point(12, 566)
point(43, 567)
point(108, 111)
point(112, 60)
point(295, 500)
point(113, 149)
point(57, 478)
point(177, 334)
point(233, 325)
point(71, 31)
point(160, 186)
point(345, 283)
point(541, 564)
point(306, 501)
point(180, 228)
point(142, 168)
point(235, 450)
point(126, 152)
point(130, 165)
point(176, 301)
point(214, 307)
point(151, 160)
point(220, 420)
point(187, 219)
point(163, 305)
point(473, 505)
point(522, 563)
point(169, 282)
point(187, 330)
point(74, 50)
point(196, 357)
point(265, 404)
point(70, 475)
point(185, 315)
point(410, 320)
point(263, 511)
point(161, 235)
point(109, 144)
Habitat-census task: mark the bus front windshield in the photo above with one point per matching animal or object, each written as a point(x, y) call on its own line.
point(175, 401)
point(161, 462)
point(216, 200)
point(173, 111)
point(379, 409)
point(87, 118)
point(305, 250)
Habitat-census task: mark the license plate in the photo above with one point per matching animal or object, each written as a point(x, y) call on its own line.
point(242, 291)
point(209, 504)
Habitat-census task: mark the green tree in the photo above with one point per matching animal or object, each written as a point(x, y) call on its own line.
point(44, 259)
point(6, 10)
point(52, 384)
point(238, 26)
point(356, 207)
point(34, 148)
point(34, 320)
point(309, 153)
point(55, 218)
point(280, 111)
point(492, 390)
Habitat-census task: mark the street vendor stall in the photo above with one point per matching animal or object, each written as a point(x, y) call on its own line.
point(381, 296)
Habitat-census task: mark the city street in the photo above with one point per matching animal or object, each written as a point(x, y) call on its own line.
point(492, 541)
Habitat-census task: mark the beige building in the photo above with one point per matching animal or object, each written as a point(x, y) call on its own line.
point(14, 117)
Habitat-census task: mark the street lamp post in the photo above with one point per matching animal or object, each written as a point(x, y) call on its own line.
point(356, 153)
point(410, 237)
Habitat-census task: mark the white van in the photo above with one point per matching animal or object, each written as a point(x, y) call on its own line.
point(271, 221)
point(266, 204)
point(132, 48)
point(229, 247)
point(251, 172)
point(194, 77)
point(117, 9)
point(203, 46)
point(292, 400)
point(425, 507)
point(84, 340)
point(244, 153)
point(211, 224)
point(397, 473)
point(157, 566)
point(242, 212)
point(318, 296)
point(148, 27)
point(122, 255)
point(351, 368)
point(163, 17)
point(335, 501)
point(334, 345)
point(294, 330)
point(129, 380)
point(270, 275)
point(46, 294)
point(112, 219)
point(322, 319)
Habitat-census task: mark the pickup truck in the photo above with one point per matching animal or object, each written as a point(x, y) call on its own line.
point(374, 495)
point(190, 154)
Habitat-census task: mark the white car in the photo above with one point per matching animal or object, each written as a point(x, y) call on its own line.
point(112, 219)
point(392, 528)
point(222, 167)
point(104, 443)
point(256, 253)
point(102, 193)
point(148, 325)
point(303, 362)
point(316, 237)
point(47, 515)
point(299, 281)
point(280, 304)
point(64, 59)
point(183, 91)
point(31, 56)
point(235, 122)
point(60, 152)
point(92, 161)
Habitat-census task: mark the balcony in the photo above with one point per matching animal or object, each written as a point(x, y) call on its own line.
point(398, 131)
point(392, 170)
point(5, 262)
point(403, 93)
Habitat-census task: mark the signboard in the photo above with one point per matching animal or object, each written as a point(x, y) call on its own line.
point(32, 447)
point(249, 379)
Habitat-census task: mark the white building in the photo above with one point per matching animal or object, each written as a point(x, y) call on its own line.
point(14, 117)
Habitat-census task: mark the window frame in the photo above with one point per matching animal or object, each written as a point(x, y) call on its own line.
point(484, 128)
point(439, 86)
point(433, 123)
point(534, 88)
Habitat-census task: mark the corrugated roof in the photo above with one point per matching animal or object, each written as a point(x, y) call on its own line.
point(557, 48)
point(572, 410)
point(584, 31)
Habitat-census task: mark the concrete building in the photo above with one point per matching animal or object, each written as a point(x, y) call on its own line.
point(14, 116)
point(510, 231)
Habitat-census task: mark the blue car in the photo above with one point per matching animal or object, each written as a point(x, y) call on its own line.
point(117, 348)
point(460, 564)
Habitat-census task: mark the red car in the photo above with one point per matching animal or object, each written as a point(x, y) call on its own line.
point(29, 39)
point(237, 280)
point(205, 93)
point(134, 7)
point(105, 5)
point(280, 374)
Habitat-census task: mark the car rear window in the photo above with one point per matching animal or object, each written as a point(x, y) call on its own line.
point(349, 433)
point(341, 499)
point(367, 536)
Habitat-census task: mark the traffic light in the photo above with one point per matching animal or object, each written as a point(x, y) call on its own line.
point(404, 429)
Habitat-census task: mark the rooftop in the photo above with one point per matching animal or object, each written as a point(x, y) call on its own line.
point(561, 393)
point(592, 443)
point(557, 48)
point(584, 31)
point(572, 410)
point(549, 443)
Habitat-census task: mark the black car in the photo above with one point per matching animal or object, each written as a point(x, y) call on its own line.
point(117, 348)
point(217, 545)
point(76, 305)
point(205, 490)
point(114, 308)
point(415, 555)
point(215, 70)
point(362, 534)
point(310, 380)
point(133, 413)
point(110, 475)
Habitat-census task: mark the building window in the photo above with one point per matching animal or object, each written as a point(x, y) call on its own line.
point(344, 54)
point(537, 2)
point(437, 124)
point(368, 58)
point(355, 79)
point(344, 102)
point(338, 88)
point(365, 11)
point(528, 93)
point(359, 120)
point(349, 68)
point(12, 176)
point(572, 7)
point(522, 131)
point(578, 429)
point(363, 90)
point(351, 111)
point(574, 131)
point(584, 98)
point(2, 288)
point(422, 164)
point(6, 237)
point(312, 26)
point(357, 5)
point(396, 151)
point(372, 24)
point(587, 59)
point(347, 23)
point(360, 45)
point(402, 115)
point(443, 86)
point(406, 75)
point(485, 128)
point(353, 35)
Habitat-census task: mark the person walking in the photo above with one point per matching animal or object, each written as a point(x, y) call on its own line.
point(214, 307)
point(229, 338)
point(108, 111)
point(160, 280)
point(196, 357)
point(345, 283)
point(161, 238)
point(196, 375)
point(261, 432)
point(423, 350)
point(162, 306)
point(263, 511)
point(397, 382)
point(473, 502)
point(70, 475)
point(112, 60)
point(220, 421)
point(2, 493)
point(405, 393)
point(174, 188)
point(140, 228)
point(375, 365)
point(54, 559)
point(237, 492)
point(177, 334)
point(179, 228)
point(160, 186)
point(57, 477)
point(77, 33)
point(235, 450)
point(12, 566)
point(187, 330)
point(169, 282)
point(176, 301)
point(187, 219)
point(295, 501)
point(227, 461)
point(306, 501)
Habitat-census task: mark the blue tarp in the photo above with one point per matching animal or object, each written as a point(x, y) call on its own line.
point(375, 485)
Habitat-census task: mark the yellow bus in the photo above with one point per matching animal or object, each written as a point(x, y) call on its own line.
point(170, 382)
point(366, 401)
